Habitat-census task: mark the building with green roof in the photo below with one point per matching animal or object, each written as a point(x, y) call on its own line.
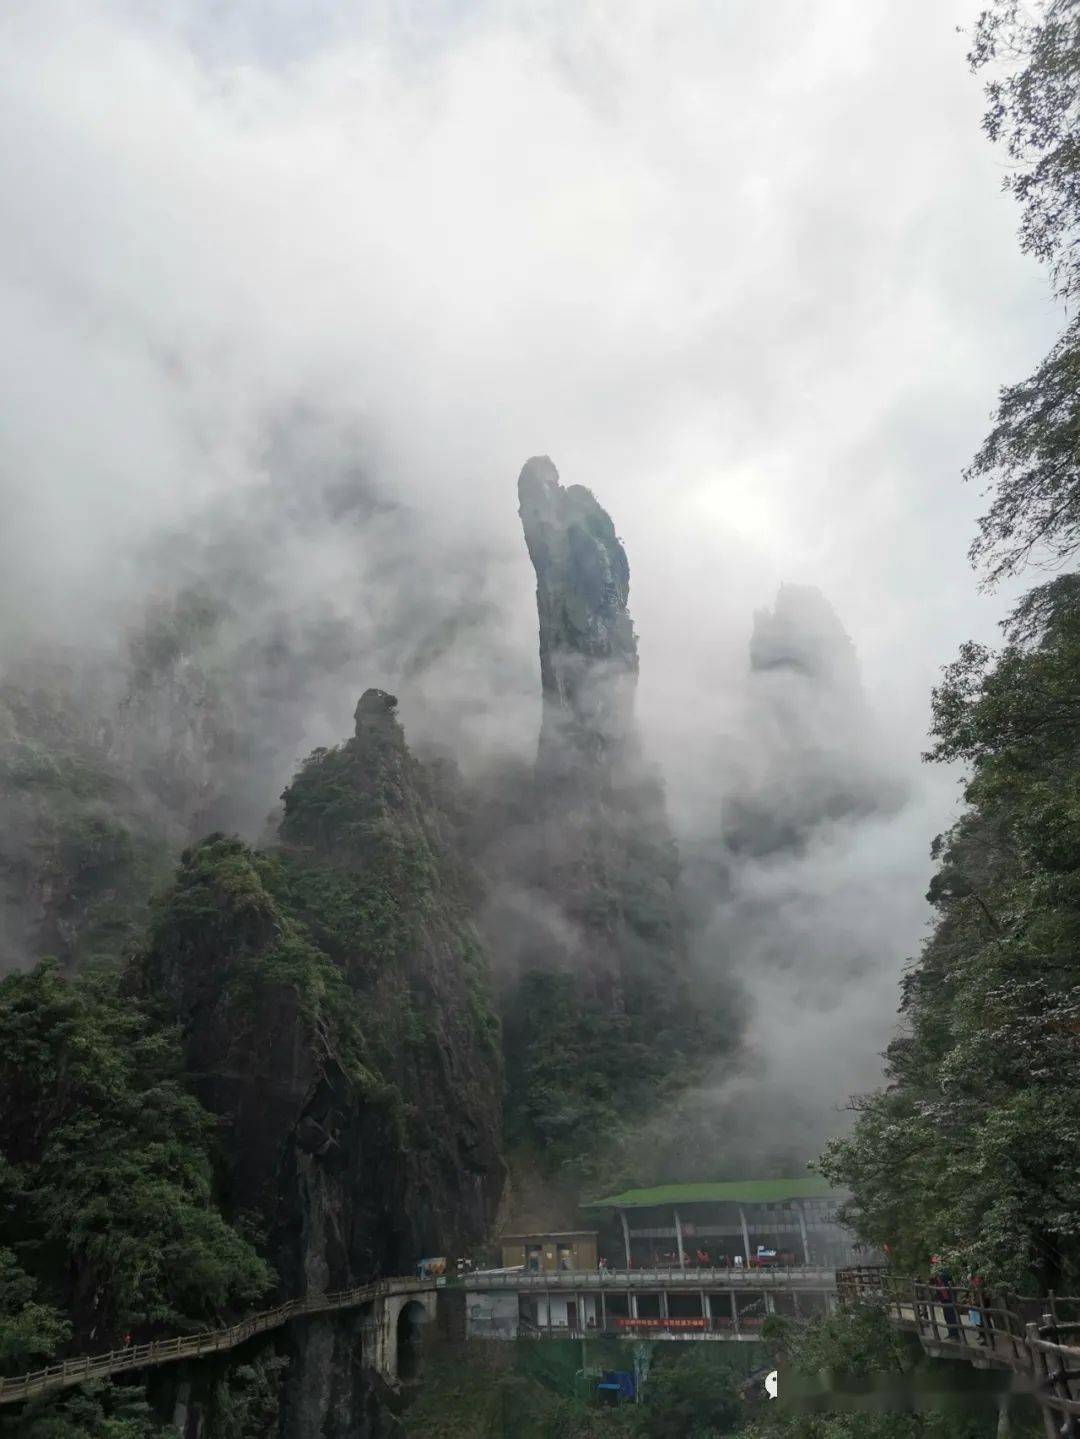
point(743, 1222)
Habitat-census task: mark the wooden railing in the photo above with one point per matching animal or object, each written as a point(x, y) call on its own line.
point(1025, 1334)
point(194, 1346)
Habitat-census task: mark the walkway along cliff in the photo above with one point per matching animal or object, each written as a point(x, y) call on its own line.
point(1031, 1337)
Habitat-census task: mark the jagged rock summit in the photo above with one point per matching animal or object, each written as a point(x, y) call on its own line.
point(373, 704)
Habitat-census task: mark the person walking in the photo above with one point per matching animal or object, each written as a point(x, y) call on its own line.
point(976, 1315)
point(943, 1287)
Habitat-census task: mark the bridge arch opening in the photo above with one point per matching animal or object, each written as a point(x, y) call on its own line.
point(410, 1341)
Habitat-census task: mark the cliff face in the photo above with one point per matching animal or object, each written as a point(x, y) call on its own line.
point(600, 1014)
point(332, 996)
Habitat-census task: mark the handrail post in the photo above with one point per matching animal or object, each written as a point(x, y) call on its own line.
point(1042, 1391)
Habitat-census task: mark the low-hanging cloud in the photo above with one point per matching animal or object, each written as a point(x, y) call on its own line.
point(291, 292)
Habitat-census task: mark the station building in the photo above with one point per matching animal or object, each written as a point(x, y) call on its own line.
point(739, 1223)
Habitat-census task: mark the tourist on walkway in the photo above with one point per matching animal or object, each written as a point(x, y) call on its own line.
point(943, 1289)
point(976, 1314)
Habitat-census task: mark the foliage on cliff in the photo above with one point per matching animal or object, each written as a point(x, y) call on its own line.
point(371, 865)
point(106, 1175)
point(587, 1083)
point(108, 1212)
point(974, 1149)
point(221, 926)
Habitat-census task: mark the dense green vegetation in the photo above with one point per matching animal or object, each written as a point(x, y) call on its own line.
point(494, 1389)
point(106, 1178)
point(698, 1391)
point(578, 1073)
point(859, 1345)
point(584, 1078)
point(223, 910)
point(108, 1214)
point(973, 1149)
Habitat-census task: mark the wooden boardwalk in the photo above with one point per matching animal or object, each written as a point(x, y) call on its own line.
point(1028, 1336)
point(195, 1346)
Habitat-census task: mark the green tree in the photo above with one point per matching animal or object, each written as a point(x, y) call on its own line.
point(106, 1178)
point(29, 1331)
point(1030, 460)
point(94, 1411)
point(973, 1150)
point(690, 1394)
point(855, 1343)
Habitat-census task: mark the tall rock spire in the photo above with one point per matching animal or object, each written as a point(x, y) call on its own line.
point(588, 651)
point(602, 1018)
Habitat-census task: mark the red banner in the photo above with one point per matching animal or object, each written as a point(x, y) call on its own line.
point(661, 1323)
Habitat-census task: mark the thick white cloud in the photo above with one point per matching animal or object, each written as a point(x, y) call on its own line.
point(745, 270)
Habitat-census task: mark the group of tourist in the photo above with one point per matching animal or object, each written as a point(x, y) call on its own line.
point(951, 1299)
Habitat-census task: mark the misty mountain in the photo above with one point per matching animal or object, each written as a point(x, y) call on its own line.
point(818, 755)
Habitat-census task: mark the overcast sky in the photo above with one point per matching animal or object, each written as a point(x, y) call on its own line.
point(744, 269)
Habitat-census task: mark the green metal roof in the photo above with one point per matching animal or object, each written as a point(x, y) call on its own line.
point(737, 1191)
